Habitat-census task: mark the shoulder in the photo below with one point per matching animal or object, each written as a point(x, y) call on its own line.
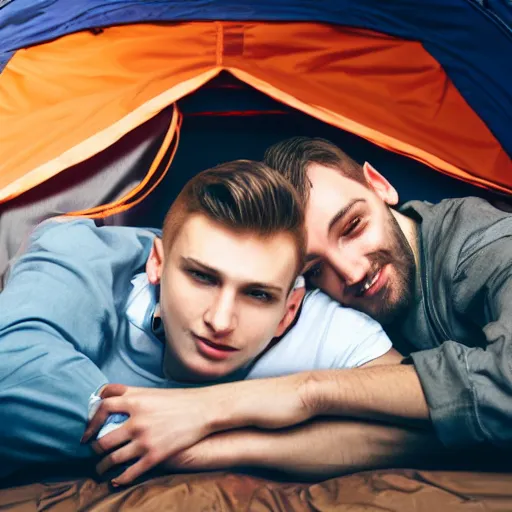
point(343, 336)
point(83, 238)
point(468, 214)
point(478, 224)
point(455, 228)
point(460, 216)
point(77, 247)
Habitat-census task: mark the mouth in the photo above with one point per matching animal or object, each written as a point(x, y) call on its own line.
point(212, 350)
point(372, 284)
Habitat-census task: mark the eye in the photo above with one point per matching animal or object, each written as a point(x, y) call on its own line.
point(201, 277)
point(260, 296)
point(352, 226)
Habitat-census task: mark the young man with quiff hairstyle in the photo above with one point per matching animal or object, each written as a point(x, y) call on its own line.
point(208, 303)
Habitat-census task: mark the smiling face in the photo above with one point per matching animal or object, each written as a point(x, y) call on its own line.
point(223, 296)
point(357, 250)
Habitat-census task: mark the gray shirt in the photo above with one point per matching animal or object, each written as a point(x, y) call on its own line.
point(462, 322)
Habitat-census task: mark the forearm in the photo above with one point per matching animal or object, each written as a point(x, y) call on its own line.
point(391, 393)
point(265, 403)
point(319, 449)
point(327, 448)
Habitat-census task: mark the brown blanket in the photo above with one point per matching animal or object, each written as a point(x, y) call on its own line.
point(386, 490)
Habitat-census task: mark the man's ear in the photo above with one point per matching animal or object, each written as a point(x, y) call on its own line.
point(155, 262)
point(292, 307)
point(380, 185)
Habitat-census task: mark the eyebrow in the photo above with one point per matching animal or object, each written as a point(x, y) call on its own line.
point(346, 209)
point(264, 286)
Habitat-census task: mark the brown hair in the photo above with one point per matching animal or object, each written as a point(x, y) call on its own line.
point(243, 196)
point(292, 157)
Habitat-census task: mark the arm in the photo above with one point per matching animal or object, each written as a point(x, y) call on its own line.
point(469, 389)
point(393, 393)
point(58, 314)
point(387, 393)
point(317, 450)
point(314, 449)
point(164, 422)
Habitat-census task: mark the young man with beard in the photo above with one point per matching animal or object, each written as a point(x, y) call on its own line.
point(86, 305)
point(439, 274)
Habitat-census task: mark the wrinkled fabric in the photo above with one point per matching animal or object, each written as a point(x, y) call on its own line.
point(376, 491)
point(101, 179)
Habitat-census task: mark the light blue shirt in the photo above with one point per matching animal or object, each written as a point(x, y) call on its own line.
point(77, 312)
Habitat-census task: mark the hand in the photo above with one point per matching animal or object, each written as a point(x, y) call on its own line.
point(162, 422)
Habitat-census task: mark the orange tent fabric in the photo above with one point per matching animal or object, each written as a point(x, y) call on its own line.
point(66, 100)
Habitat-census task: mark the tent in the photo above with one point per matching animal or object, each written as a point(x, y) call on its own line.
point(93, 94)
point(100, 98)
point(429, 80)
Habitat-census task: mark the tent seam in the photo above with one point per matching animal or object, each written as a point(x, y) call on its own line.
point(220, 43)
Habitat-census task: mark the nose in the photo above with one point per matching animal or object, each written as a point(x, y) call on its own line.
point(351, 268)
point(220, 316)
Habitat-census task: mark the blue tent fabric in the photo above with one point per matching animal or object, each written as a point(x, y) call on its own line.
point(501, 10)
point(470, 39)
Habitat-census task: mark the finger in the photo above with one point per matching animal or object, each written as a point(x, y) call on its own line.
point(140, 467)
point(106, 408)
point(111, 390)
point(112, 440)
point(126, 453)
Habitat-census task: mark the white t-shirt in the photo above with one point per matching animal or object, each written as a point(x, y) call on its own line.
point(326, 335)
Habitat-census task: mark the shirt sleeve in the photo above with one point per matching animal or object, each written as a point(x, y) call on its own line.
point(469, 389)
point(58, 314)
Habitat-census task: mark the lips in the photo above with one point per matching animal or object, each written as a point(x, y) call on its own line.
point(213, 351)
point(216, 346)
point(371, 285)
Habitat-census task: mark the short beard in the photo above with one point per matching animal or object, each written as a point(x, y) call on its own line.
point(401, 257)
